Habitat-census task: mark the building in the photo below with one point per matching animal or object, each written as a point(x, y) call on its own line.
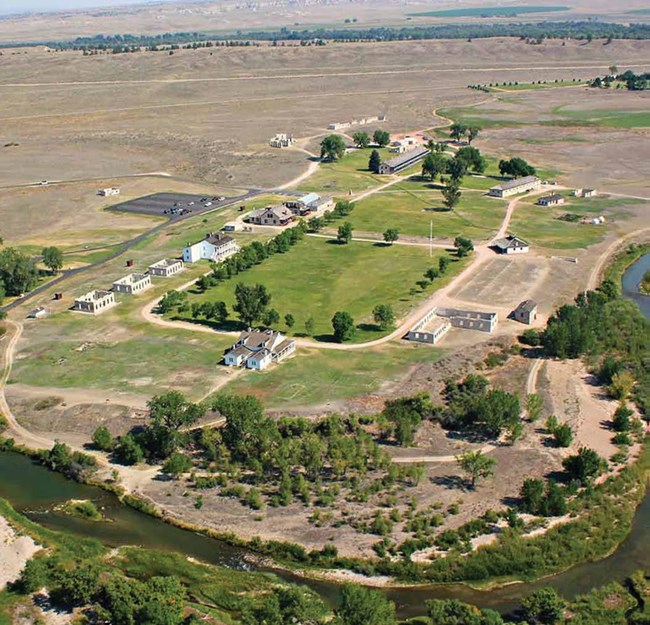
point(256, 349)
point(356, 122)
point(526, 312)
point(511, 245)
point(132, 284)
point(404, 145)
point(95, 302)
point(518, 185)
point(429, 329)
point(108, 192)
point(470, 319)
point(216, 247)
point(38, 313)
point(271, 216)
point(166, 268)
point(281, 140)
point(551, 200)
point(322, 204)
point(403, 161)
point(310, 203)
point(585, 192)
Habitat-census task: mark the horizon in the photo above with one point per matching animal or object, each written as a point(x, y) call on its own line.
point(24, 7)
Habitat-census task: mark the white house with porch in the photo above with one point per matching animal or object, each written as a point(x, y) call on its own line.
point(257, 349)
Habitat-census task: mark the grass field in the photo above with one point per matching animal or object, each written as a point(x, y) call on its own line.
point(347, 174)
point(322, 376)
point(536, 86)
point(412, 205)
point(541, 225)
point(607, 117)
point(495, 11)
point(319, 277)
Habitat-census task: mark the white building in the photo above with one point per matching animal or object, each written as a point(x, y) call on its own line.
point(403, 161)
point(551, 200)
point(132, 284)
point(585, 192)
point(108, 192)
point(216, 247)
point(518, 185)
point(281, 140)
point(95, 302)
point(257, 350)
point(166, 268)
point(511, 245)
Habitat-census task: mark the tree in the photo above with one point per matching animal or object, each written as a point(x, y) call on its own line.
point(477, 465)
point(516, 167)
point(310, 326)
point(332, 148)
point(585, 465)
point(344, 234)
point(52, 258)
point(34, 576)
point(463, 246)
point(289, 320)
point(432, 273)
point(457, 168)
point(381, 138)
point(563, 435)
point(451, 194)
point(18, 272)
point(374, 162)
point(271, 318)
point(443, 263)
point(391, 235)
point(621, 385)
point(434, 164)
point(127, 450)
point(75, 587)
point(454, 612)
point(621, 421)
point(361, 139)
point(384, 316)
point(251, 302)
point(177, 464)
point(102, 439)
point(534, 406)
point(543, 606)
point(172, 410)
point(472, 158)
point(457, 131)
point(472, 133)
point(362, 606)
point(343, 325)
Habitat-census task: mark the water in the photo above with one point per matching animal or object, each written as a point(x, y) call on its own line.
point(35, 491)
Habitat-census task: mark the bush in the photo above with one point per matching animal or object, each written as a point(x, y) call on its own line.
point(563, 435)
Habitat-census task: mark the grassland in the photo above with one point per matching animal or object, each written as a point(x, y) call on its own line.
point(350, 173)
point(607, 117)
point(318, 377)
point(495, 11)
point(411, 207)
point(319, 277)
point(542, 225)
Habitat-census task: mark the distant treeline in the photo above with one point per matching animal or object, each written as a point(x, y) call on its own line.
point(540, 30)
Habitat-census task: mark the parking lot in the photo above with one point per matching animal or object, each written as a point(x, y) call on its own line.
point(172, 204)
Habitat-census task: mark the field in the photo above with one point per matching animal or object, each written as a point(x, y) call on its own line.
point(323, 379)
point(495, 11)
point(319, 277)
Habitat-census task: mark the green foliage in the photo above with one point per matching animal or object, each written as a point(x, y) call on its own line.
point(384, 316)
point(374, 162)
point(451, 196)
point(534, 405)
point(177, 464)
point(472, 159)
point(172, 300)
point(103, 439)
point(381, 138)
point(585, 465)
point(128, 451)
point(361, 139)
point(563, 435)
point(477, 465)
point(516, 167)
point(622, 419)
point(332, 148)
point(434, 164)
point(344, 234)
point(18, 272)
point(543, 500)
point(52, 258)
point(343, 325)
point(362, 606)
point(391, 235)
point(463, 245)
point(251, 302)
point(75, 465)
point(454, 612)
point(402, 417)
point(543, 606)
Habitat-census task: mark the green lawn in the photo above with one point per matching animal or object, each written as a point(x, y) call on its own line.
point(146, 362)
point(412, 205)
point(323, 376)
point(535, 86)
point(604, 117)
point(541, 225)
point(347, 174)
point(319, 277)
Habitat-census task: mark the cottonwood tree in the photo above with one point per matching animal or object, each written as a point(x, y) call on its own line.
point(477, 465)
point(434, 164)
point(543, 607)
point(52, 258)
point(451, 195)
point(585, 465)
point(362, 606)
point(391, 235)
point(472, 133)
point(18, 271)
point(332, 148)
point(472, 158)
point(381, 138)
point(516, 167)
point(289, 320)
point(457, 131)
point(251, 302)
point(176, 465)
point(344, 234)
point(463, 246)
point(361, 139)
point(343, 325)
point(384, 316)
point(457, 168)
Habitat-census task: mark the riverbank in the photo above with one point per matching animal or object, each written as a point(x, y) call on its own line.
point(15, 551)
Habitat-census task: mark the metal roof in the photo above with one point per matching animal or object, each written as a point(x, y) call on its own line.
point(406, 157)
point(517, 182)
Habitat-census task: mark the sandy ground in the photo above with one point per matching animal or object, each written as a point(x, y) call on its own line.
point(15, 550)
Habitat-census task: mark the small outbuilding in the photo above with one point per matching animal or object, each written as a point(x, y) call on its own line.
point(511, 245)
point(526, 312)
point(38, 313)
point(551, 200)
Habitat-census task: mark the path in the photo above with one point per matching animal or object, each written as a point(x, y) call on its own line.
point(486, 449)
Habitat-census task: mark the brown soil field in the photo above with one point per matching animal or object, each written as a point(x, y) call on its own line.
point(231, 15)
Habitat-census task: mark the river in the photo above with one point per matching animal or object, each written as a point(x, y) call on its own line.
point(36, 492)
